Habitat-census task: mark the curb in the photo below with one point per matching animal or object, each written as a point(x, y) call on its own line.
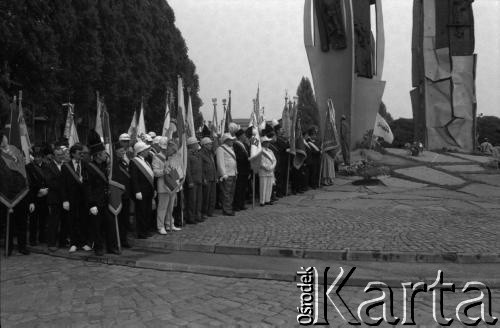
point(354, 281)
point(337, 255)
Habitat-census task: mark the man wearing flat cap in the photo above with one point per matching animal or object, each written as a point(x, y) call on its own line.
point(194, 191)
point(226, 166)
point(209, 177)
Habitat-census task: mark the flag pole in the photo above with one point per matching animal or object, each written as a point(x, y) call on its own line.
point(287, 174)
point(182, 207)
point(322, 154)
point(253, 190)
point(119, 244)
point(7, 232)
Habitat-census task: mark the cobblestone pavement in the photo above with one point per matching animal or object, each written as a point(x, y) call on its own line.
point(42, 291)
point(425, 219)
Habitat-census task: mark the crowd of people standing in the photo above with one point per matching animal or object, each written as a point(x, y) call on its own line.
point(66, 205)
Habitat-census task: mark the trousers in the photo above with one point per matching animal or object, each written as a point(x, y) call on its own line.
point(165, 209)
point(209, 195)
point(227, 188)
point(266, 188)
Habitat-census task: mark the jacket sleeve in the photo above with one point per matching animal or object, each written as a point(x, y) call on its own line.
point(134, 183)
point(189, 178)
point(65, 186)
point(219, 154)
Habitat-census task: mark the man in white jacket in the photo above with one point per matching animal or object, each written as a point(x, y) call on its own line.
point(163, 169)
point(226, 167)
point(266, 172)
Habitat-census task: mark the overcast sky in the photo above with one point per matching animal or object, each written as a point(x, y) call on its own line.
point(239, 44)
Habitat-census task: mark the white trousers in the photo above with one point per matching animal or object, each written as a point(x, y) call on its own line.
point(164, 211)
point(266, 189)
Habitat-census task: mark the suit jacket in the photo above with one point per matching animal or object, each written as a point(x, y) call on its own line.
point(97, 186)
point(140, 182)
point(55, 183)
point(36, 180)
point(226, 161)
point(74, 189)
point(194, 172)
point(122, 176)
point(208, 163)
point(242, 155)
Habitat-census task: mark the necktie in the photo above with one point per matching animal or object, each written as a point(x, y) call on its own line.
point(78, 171)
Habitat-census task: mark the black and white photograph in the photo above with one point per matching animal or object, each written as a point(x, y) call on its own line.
point(236, 163)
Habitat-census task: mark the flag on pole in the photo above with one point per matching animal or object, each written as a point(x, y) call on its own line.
point(331, 141)
point(132, 130)
point(98, 119)
point(190, 120)
point(382, 129)
point(255, 145)
point(181, 126)
point(23, 131)
point(14, 182)
point(293, 123)
point(70, 132)
point(214, 127)
point(228, 118)
point(141, 125)
point(285, 120)
point(166, 131)
point(300, 147)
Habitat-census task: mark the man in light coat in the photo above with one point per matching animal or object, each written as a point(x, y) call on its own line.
point(166, 174)
point(266, 172)
point(226, 167)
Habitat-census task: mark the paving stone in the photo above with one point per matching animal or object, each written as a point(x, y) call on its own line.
point(430, 175)
point(491, 179)
point(461, 168)
point(393, 182)
point(475, 158)
point(338, 195)
point(482, 190)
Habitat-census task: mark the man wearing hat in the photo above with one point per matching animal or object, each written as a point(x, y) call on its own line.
point(282, 157)
point(167, 185)
point(122, 176)
point(124, 140)
point(226, 165)
point(242, 151)
point(266, 172)
point(142, 188)
point(209, 178)
point(74, 175)
point(194, 191)
point(102, 226)
point(345, 135)
point(314, 156)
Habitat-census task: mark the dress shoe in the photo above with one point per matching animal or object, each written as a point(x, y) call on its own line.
point(24, 251)
point(190, 222)
point(270, 203)
point(142, 237)
point(162, 231)
point(113, 251)
point(236, 209)
point(52, 249)
point(211, 215)
point(72, 249)
point(262, 205)
point(87, 248)
point(228, 213)
point(174, 228)
point(125, 244)
point(99, 252)
point(243, 208)
point(33, 243)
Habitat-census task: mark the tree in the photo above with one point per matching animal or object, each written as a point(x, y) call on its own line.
point(382, 110)
point(402, 129)
point(307, 107)
point(489, 127)
point(127, 50)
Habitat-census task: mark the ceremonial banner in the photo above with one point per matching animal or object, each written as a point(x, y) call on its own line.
point(331, 141)
point(141, 125)
point(190, 119)
point(285, 120)
point(14, 182)
point(98, 119)
point(132, 130)
point(228, 118)
point(255, 145)
point(382, 129)
point(166, 131)
point(300, 147)
point(181, 128)
point(70, 132)
point(23, 132)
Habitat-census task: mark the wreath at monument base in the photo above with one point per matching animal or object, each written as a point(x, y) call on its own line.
point(368, 171)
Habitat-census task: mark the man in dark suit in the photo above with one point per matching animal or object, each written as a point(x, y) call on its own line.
point(74, 174)
point(122, 176)
point(242, 151)
point(102, 227)
point(54, 179)
point(209, 177)
point(142, 189)
point(39, 191)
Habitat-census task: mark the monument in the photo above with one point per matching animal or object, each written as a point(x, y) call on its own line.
point(346, 60)
point(443, 74)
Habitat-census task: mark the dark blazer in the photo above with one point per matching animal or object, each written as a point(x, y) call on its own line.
point(55, 183)
point(121, 175)
point(139, 182)
point(194, 172)
point(36, 179)
point(73, 190)
point(242, 155)
point(208, 166)
point(97, 185)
